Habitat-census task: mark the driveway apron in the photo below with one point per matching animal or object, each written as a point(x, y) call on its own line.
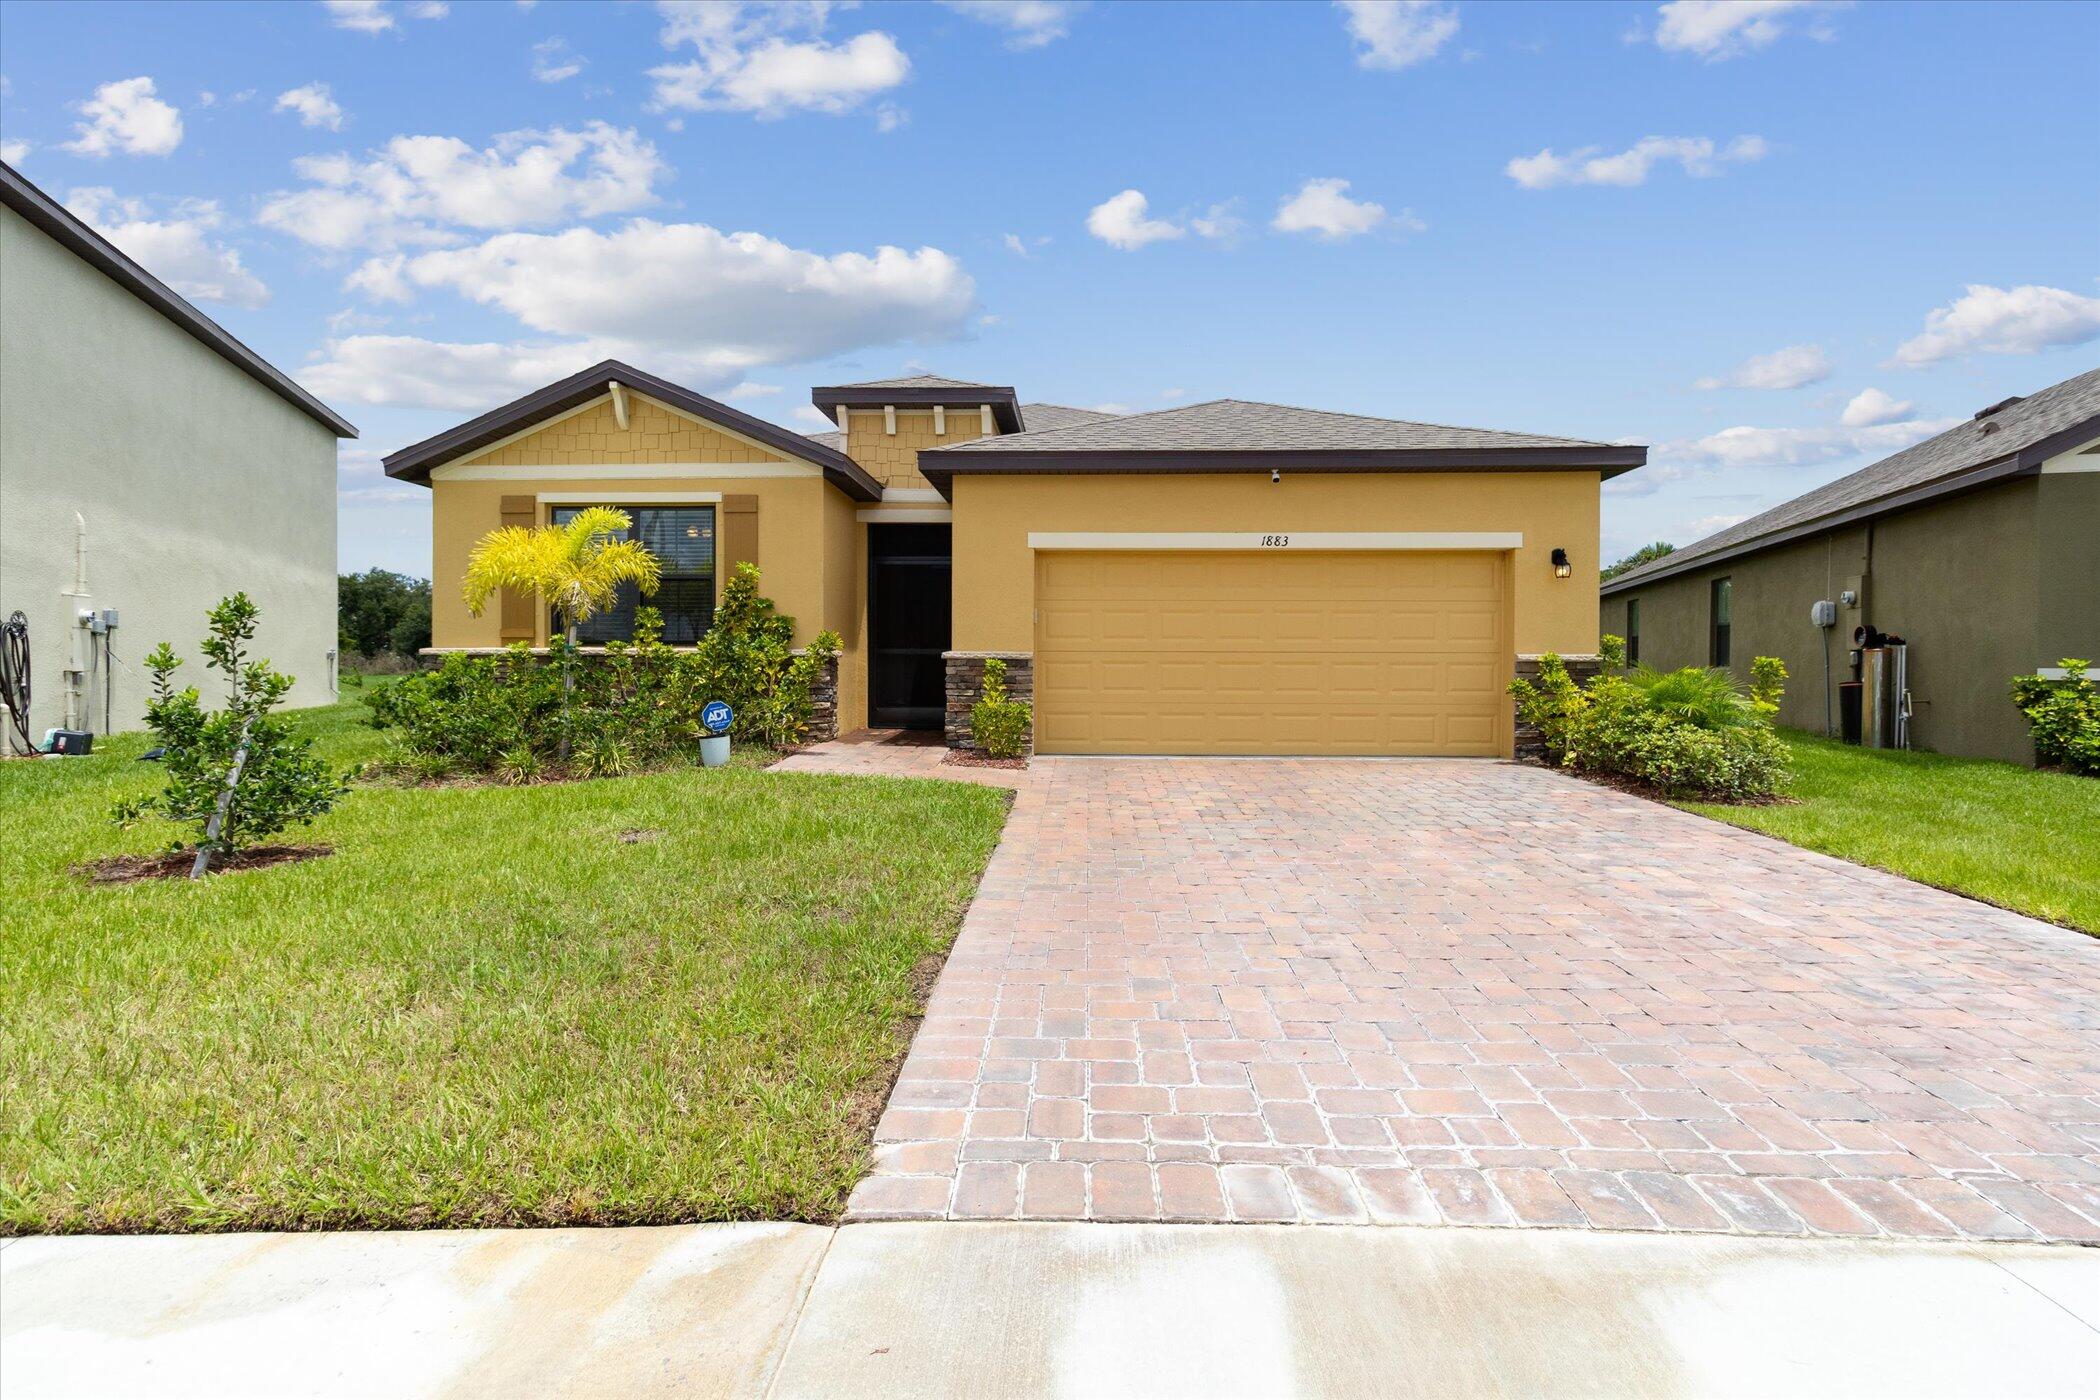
point(1477, 993)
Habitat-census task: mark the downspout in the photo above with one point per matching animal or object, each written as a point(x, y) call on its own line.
point(75, 673)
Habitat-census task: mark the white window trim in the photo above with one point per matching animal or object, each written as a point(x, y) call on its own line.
point(1279, 540)
point(630, 498)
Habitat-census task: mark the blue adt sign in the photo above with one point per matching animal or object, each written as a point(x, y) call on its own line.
point(717, 717)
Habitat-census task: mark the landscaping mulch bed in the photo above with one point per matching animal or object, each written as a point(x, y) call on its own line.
point(963, 758)
point(175, 865)
point(1633, 787)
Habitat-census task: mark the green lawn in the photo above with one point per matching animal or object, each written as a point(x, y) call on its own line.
point(485, 1008)
point(2009, 835)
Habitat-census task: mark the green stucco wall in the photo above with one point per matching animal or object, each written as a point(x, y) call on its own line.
point(193, 481)
point(1983, 587)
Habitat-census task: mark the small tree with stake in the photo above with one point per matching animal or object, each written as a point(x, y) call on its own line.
point(577, 567)
point(239, 775)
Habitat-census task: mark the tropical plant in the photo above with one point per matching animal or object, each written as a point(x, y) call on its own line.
point(237, 776)
point(1708, 697)
point(1688, 732)
point(2063, 715)
point(577, 569)
point(998, 722)
point(1646, 554)
point(748, 660)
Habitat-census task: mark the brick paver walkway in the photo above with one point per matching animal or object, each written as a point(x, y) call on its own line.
point(1482, 994)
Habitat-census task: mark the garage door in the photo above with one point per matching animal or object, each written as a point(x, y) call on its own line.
point(1292, 653)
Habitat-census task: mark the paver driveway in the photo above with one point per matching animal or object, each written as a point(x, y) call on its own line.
point(1474, 992)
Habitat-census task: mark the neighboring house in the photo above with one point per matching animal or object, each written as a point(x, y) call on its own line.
point(150, 465)
point(1980, 548)
point(1226, 577)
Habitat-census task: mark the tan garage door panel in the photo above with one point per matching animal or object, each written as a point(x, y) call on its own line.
point(1366, 653)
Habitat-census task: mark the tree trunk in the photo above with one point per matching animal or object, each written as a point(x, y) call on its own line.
point(568, 688)
point(224, 805)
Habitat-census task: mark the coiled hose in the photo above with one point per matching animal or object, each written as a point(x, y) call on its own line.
point(14, 679)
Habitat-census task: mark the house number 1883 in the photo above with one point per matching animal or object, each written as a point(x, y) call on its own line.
point(1275, 541)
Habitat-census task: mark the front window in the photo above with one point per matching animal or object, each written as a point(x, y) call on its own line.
point(683, 540)
point(1633, 631)
point(1722, 605)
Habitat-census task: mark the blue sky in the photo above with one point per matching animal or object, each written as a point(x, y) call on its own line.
point(1776, 241)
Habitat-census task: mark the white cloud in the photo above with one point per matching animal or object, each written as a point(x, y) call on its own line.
point(174, 245)
point(314, 104)
point(416, 190)
point(1789, 368)
point(890, 117)
point(1014, 244)
point(686, 300)
point(374, 16)
point(126, 116)
point(2003, 321)
point(1323, 208)
point(1120, 221)
point(770, 60)
point(1870, 408)
point(1590, 166)
point(382, 279)
point(1710, 524)
point(1029, 24)
point(554, 62)
point(1718, 29)
point(1397, 34)
point(13, 151)
point(1221, 220)
point(811, 416)
point(1119, 409)
point(750, 389)
point(1743, 447)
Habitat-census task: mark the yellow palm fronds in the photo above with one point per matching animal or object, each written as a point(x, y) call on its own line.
point(577, 568)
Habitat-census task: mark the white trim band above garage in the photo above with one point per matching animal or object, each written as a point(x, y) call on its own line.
point(1282, 539)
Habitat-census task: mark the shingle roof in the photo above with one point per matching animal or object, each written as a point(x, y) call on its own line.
point(917, 381)
point(1237, 425)
point(2013, 438)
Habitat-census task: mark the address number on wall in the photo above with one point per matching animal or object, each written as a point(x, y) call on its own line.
point(1275, 541)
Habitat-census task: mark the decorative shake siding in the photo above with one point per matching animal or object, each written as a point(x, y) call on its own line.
point(966, 687)
point(893, 459)
point(594, 437)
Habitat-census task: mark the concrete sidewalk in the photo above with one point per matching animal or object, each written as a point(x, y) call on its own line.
point(922, 1309)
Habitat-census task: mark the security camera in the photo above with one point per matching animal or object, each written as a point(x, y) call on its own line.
point(1275, 476)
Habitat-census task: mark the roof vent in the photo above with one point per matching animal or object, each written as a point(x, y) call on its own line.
point(1999, 406)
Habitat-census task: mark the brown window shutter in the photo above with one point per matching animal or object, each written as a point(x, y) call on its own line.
point(518, 608)
point(737, 540)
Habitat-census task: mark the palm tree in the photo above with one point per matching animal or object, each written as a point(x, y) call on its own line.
point(577, 568)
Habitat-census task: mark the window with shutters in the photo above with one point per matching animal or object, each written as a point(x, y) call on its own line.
point(683, 540)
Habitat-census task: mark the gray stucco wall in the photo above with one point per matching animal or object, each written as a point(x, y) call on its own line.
point(1983, 587)
point(193, 480)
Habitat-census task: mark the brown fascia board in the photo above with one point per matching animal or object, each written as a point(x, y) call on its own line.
point(941, 465)
point(1006, 409)
point(90, 247)
point(413, 463)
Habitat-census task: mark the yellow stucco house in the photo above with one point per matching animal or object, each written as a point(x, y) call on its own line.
point(1226, 577)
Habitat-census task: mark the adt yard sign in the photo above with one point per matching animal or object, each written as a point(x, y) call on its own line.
point(717, 717)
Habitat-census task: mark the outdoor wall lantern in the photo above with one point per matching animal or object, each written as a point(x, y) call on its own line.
point(1561, 567)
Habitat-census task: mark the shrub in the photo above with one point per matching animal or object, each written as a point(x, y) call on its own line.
point(998, 722)
point(1691, 732)
point(519, 718)
point(237, 776)
point(2063, 716)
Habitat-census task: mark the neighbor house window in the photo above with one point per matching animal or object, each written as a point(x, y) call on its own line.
point(683, 540)
point(1722, 604)
point(1633, 631)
